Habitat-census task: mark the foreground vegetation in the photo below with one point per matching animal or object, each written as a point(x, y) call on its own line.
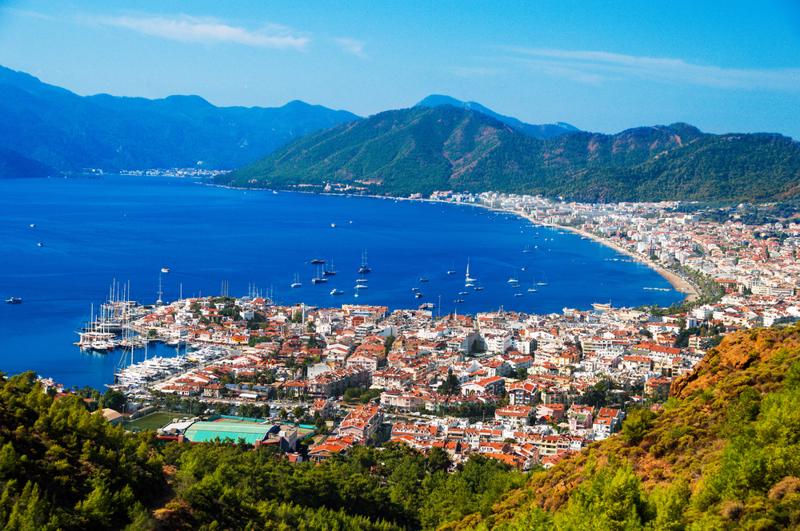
point(62, 467)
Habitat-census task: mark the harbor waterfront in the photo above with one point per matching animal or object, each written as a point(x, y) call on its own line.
point(94, 230)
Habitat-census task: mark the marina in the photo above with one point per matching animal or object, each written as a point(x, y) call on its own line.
point(137, 379)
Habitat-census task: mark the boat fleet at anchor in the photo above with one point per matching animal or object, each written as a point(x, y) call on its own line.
point(325, 270)
point(109, 329)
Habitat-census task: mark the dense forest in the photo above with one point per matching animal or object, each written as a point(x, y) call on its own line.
point(423, 149)
point(722, 452)
point(63, 467)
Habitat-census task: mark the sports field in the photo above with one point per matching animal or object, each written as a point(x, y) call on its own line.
point(153, 421)
point(228, 429)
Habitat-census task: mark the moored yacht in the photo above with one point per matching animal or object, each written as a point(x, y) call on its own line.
point(320, 278)
point(364, 268)
point(329, 271)
point(467, 278)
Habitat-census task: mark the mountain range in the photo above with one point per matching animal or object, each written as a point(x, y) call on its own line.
point(65, 132)
point(446, 147)
point(439, 144)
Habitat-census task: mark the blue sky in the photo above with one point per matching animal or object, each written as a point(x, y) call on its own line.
point(601, 65)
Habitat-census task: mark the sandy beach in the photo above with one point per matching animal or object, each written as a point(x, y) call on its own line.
point(677, 282)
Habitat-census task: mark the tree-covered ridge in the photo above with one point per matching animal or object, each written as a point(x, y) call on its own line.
point(541, 131)
point(723, 453)
point(422, 149)
point(14, 165)
point(62, 467)
point(389, 488)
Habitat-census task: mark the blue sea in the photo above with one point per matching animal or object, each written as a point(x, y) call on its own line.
point(94, 230)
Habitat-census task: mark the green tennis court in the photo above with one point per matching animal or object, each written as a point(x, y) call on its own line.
point(230, 430)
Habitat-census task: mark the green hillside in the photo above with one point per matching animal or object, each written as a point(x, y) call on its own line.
point(16, 166)
point(63, 467)
point(447, 148)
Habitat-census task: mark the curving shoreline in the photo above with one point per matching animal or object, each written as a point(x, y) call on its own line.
point(679, 283)
point(676, 281)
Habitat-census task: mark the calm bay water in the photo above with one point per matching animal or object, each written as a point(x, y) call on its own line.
point(95, 230)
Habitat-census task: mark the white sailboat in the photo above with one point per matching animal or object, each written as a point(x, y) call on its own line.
point(296, 283)
point(320, 278)
point(468, 280)
point(159, 301)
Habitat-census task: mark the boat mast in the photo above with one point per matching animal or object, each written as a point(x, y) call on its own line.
point(159, 302)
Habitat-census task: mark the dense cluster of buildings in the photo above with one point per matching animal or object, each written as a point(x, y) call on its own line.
point(522, 388)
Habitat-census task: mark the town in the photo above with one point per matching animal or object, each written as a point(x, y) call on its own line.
point(524, 389)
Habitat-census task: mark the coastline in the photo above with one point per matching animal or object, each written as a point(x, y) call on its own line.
point(676, 281)
point(679, 283)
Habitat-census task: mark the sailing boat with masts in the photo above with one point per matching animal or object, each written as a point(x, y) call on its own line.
point(364, 268)
point(468, 280)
